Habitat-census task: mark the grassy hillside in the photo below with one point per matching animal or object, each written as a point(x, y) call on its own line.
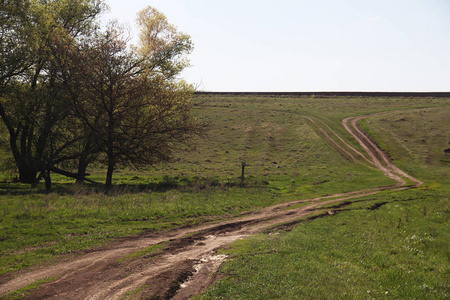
point(394, 245)
point(287, 158)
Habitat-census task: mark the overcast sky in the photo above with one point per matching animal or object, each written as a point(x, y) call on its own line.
point(309, 45)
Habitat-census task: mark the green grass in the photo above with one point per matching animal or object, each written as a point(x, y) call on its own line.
point(415, 139)
point(287, 159)
point(21, 293)
point(400, 251)
point(147, 252)
point(38, 227)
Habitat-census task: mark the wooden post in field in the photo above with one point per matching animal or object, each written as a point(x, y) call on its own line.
point(242, 176)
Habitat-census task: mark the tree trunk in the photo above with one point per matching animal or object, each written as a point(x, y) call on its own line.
point(82, 166)
point(48, 181)
point(27, 174)
point(72, 175)
point(109, 173)
point(110, 150)
point(87, 156)
point(21, 150)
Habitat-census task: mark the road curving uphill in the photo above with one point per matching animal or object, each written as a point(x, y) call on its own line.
point(187, 255)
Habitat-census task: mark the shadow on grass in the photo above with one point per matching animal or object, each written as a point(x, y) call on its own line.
point(165, 184)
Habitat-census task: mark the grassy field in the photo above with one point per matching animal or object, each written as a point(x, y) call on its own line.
point(357, 251)
point(396, 249)
point(399, 251)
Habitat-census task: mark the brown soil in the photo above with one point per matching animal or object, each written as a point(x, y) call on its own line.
point(183, 268)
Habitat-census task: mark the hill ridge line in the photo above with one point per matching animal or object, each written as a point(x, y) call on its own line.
point(330, 94)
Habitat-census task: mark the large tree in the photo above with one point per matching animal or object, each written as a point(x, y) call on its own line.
point(133, 107)
point(70, 91)
point(33, 102)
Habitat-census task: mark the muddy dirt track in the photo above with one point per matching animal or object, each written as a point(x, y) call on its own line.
point(187, 255)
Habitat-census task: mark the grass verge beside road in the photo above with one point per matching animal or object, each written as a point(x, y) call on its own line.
point(398, 251)
point(37, 227)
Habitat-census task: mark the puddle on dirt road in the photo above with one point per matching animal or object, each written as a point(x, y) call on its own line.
point(201, 278)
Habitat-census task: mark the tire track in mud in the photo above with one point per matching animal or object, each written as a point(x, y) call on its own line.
point(378, 156)
point(344, 148)
point(188, 254)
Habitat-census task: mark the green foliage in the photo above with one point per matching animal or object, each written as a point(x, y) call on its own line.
point(129, 110)
point(69, 91)
point(162, 46)
point(33, 102)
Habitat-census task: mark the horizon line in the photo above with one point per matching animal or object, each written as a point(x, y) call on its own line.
point(331, 93)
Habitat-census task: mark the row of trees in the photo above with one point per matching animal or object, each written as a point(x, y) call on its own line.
point(72, 93)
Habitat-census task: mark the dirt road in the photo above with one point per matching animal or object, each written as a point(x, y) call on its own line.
point(187, 254)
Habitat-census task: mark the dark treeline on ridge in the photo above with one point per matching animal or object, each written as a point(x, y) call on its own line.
point(332, 94)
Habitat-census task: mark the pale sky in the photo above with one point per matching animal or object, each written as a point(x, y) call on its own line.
point(309, 45)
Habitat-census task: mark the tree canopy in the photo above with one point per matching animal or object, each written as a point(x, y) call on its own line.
point(72, 93)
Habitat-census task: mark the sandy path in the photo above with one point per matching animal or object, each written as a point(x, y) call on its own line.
point(188, 253)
